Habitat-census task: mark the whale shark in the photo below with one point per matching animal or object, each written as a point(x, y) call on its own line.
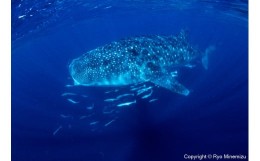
point(133, 60)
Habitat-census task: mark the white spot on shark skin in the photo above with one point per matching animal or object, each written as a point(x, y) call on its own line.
point(57, 130)
point(72, 101)
point(126, 103)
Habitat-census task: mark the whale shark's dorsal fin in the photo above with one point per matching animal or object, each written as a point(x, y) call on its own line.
point(183, 35)
point(171, 84)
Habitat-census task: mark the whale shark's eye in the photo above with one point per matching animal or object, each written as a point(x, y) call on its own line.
point(106, 62)
point(152, 66)
point(133, 52)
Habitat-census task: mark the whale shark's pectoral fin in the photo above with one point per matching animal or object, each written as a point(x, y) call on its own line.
point(173, 85)
point(179, 88)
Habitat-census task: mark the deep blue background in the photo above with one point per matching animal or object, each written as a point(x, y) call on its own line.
point(212, 119)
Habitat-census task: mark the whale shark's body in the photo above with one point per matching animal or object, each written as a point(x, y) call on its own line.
point(136, 60)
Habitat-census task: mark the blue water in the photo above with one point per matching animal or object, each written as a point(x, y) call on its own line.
point(47, 35)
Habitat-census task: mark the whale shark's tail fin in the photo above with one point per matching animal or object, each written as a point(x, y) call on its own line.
point(205, 59)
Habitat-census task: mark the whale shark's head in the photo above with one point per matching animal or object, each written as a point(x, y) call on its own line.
point(88, 70)
point(76, 70)
point(84, 72)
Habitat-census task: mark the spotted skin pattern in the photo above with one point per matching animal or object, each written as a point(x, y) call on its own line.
point(134, 60)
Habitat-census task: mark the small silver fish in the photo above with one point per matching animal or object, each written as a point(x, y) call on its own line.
point(65, 116)
point(143, 90)
point(124, 95)
point(72, 101)
point(110, 99)
point(126, 103)
point(109, 123)
point(90, 107)
point(93, 123)
point(152, 100)
point(57, 130)
point(68, 94)
point(148, 95)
